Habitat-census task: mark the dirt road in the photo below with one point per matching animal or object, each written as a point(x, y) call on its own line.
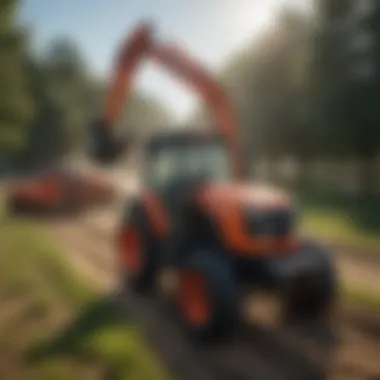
point(350, 350)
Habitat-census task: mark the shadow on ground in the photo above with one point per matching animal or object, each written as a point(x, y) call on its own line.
point(100, 334)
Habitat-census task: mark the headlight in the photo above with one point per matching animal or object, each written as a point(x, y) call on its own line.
point(258, 223)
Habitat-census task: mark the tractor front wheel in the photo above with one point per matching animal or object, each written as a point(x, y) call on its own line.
point(207, 297)
point(312, 298)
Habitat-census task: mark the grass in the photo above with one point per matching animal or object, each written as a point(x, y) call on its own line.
point(101, 338)
point(338, 227)
point(364, 297)
point(352, 221)
point(347, 221)
point(53, 325)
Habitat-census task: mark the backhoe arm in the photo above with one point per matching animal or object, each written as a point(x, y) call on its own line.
point(105, 146)
point(213, 94)
point(141, 45)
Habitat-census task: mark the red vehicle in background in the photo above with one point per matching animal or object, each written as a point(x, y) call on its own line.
point(59, 191)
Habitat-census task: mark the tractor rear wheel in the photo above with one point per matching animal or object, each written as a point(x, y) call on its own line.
point(139, 256)
point(208, 297)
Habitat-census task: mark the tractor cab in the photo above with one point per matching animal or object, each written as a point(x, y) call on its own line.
point(179, 159)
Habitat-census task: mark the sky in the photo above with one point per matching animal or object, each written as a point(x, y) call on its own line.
point(211, 30)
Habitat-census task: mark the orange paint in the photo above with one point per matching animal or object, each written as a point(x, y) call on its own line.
point(131, 250)
point(132, 51)
point(194, 299)
point(225, 205)
point(158, 216)
point(140, 45)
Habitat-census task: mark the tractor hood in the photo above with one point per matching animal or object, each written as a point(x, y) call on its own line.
point(260, 197)
point(253, 219)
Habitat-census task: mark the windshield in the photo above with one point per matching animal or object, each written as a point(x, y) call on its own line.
point(210, 160)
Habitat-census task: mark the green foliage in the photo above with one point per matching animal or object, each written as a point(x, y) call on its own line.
point(8, 13)
point(68, 98)
point(48, 102)
point(346, 98)
point(59, 84)
point(101, 334)
point(296, 95)
point(16, 105)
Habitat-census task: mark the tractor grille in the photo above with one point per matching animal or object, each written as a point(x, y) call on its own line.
point(270, 223)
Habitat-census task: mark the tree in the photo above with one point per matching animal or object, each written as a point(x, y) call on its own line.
point(347, 78)
point(269, 87)
point(69, 98)
point(58, 82)
point(16, 106)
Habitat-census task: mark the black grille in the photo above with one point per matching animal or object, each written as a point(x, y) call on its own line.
point(270, 223)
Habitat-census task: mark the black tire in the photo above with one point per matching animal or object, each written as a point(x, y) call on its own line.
point(313, 298)
point(223, 293)
point(145, 281)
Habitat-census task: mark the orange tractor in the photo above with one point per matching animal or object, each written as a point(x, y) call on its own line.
point(197, 215)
